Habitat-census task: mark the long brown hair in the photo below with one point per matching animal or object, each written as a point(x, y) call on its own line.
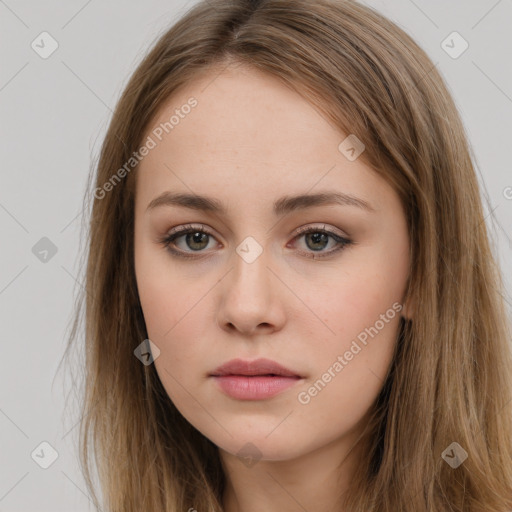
point(450, 378)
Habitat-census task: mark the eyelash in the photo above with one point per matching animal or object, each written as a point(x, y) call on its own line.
point(168, 240)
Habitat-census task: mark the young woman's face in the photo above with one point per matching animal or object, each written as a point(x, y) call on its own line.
point(245, 284)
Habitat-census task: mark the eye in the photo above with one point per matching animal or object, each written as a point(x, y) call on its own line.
point(316, 238)
point(196, 238)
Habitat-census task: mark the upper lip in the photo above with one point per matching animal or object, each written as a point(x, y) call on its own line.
point(256, 367)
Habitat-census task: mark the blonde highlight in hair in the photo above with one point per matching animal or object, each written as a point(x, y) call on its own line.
point(450, 379)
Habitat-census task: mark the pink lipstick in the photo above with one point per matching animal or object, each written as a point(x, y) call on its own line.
point(254, 380)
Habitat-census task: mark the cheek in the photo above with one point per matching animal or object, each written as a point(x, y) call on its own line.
point(361, 307)
point(351, 365)
point(171, 316)
point(176, 310)
point(171, 319)
point(165, 297)
point(355, 298)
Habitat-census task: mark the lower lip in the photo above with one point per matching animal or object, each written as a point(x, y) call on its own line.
point(258, 387)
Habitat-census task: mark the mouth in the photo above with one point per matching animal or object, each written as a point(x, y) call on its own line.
point(254, 380)
point(259, 367)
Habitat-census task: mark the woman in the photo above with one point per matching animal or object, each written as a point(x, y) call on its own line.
point(292, 302)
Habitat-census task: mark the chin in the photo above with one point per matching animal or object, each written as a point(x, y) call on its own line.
point(252, 449)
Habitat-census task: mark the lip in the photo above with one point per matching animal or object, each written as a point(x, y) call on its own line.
point(250, 368)
point(254, 380)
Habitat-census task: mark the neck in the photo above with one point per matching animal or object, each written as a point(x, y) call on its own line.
point(313, 481)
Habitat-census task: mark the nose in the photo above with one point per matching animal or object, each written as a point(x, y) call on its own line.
point(250, 297)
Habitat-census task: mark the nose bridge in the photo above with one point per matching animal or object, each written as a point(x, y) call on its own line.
point(249, 288)
point(248, 298)
point(250, 260)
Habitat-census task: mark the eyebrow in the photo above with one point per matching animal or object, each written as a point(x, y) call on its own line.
point(281, 207)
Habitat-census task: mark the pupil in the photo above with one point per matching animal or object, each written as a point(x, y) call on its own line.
point(196, 238)
point(317, 238)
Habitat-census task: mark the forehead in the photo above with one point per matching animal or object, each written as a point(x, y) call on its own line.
point(247, 133)
point(240, 108)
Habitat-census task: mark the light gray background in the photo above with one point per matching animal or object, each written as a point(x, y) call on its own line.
point(54, 113)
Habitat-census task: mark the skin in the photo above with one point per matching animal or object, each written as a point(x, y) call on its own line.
point(249, 141)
